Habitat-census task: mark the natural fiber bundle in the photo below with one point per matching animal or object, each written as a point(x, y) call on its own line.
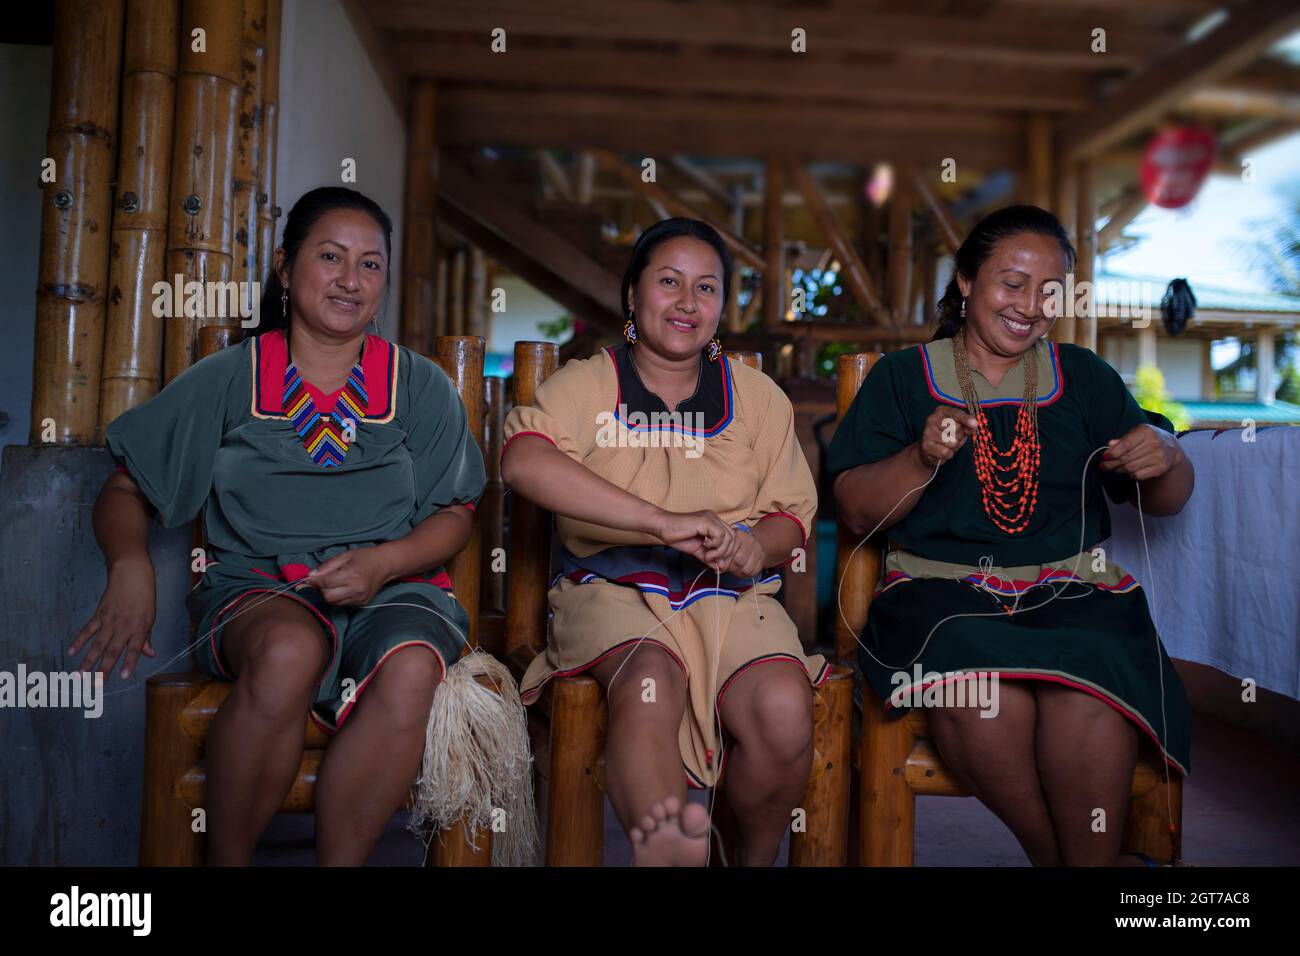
point(477, 761)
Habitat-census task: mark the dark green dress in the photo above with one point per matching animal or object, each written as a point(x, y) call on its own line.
point(1048, 602)
point(217, 440)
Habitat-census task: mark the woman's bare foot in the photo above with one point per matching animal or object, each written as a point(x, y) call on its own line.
point(670, 835)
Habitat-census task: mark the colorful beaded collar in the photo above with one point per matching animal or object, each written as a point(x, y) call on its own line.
point(376, 399)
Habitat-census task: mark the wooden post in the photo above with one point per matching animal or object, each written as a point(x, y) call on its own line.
point(456, 293)
point(441, 324)
point(1066, 207)
point(900, 247)
point(529, 553)
point(475, 292)
point(461, 357)
point(167, 836)
point(248, 148)
point(267, 210)
point(75, 220)
point(1039, 161)
point(824, 840)
point(1209, 388)
point(420, 292)
point(856, 569)
point(133, 335)
point(775, 291)
point(576, 802)
point(1086, 322)
point(491, 507)
point(201, 221)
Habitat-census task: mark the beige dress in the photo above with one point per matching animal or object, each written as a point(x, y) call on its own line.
point(733, 452)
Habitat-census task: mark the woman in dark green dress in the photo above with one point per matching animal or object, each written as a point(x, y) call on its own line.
point(334, 470)
point(975, 452)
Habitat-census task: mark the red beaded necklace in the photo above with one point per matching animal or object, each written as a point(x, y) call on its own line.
point(1008, 479)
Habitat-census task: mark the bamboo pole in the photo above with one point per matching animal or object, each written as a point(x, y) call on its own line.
point(491, 508)
point(461, 357)
point(201, 222)
point(456, 294)
point(529, 553)
point(248, 148)
point(133, 335)
point(855, 574)
point(419, 262)
point(441, 325)
point(774, 289)
point(1039, 161)
point(1085, 333)
point(75, 221)
point(267, 210)
point(900, 248)
point(475, 292)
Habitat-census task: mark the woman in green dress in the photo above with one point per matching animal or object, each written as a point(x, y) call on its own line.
point(334, 471)
point(975, 452)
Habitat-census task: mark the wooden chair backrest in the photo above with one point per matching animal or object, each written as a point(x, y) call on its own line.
point(855, 577)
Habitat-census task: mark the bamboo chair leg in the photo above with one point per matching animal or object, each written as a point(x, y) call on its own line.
point(575, 811)
point(167, 834)
point(452, 847)
point(886, 804)
point(823, 840)
point(1147, 828)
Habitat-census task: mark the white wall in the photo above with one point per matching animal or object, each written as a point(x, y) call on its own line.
point(333, 106)
point(1179, 360)
point(25, 108)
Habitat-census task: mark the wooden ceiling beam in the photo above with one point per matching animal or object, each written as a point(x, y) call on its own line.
point(985, 86)
point(1029, 40)
point(1250, 28)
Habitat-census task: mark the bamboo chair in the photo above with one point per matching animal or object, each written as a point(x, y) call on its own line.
point(179, 708)
point(895, 759)
point(570, 719)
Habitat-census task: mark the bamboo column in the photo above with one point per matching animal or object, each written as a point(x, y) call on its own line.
point(440, 322)
point(456, 294)
point(248, 147)
point(461, 357)
point(1085, 332)
point(476, 292)
point(75, 220)
point(1039, 161)
point(491, 507)
point(900, 247)
point(856, 574)
point(774, 288)
point(133, 335)
point(1065, 205)
point(267, 210)
point(419, 291)
point(201, 220)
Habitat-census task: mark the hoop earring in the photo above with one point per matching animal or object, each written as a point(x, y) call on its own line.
point(284, 305)
point(629, 330)
point(963, 308)
point(715, 348)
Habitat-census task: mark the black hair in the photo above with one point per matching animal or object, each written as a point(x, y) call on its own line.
point(660, 233)
point(309, 208)
point(988, 232)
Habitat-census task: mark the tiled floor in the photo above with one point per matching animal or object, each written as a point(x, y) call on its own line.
point(1241, 808)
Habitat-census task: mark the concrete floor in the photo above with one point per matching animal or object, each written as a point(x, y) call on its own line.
point(1241, 806)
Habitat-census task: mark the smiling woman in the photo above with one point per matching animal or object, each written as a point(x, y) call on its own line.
point(337, 475)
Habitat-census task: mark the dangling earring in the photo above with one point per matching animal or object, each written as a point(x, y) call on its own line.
point(963, 308)
point(374, 323)
point(284, 305)
point(629, 329)
point(715, 348)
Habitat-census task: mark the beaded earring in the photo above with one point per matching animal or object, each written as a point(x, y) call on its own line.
point(629, 330)
point(963, 308)
point(715, 348)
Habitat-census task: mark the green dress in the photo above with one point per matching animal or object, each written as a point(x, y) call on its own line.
point(1044, 604)
point(218, 440)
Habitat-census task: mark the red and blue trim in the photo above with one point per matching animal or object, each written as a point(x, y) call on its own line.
point(938, 394)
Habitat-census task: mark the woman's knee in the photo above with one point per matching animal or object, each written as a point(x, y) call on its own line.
point(278, 667)
point(646, 674)
point(404, 685)
point(775, 714)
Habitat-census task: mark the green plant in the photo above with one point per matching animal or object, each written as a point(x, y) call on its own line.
point(559, 329)
point(1149, 391)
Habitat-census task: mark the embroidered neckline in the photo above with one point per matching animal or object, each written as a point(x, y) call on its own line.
point(325, 434)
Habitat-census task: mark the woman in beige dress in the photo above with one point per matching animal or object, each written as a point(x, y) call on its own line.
point(679, 491)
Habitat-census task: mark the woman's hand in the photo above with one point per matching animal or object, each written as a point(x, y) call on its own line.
point(123, 620)
point(1145, 452)
point(940, 441)
point(745, 560)
point(352, 578)
point(697, 533)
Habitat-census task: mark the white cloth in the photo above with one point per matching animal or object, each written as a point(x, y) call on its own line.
point(1226, 571)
